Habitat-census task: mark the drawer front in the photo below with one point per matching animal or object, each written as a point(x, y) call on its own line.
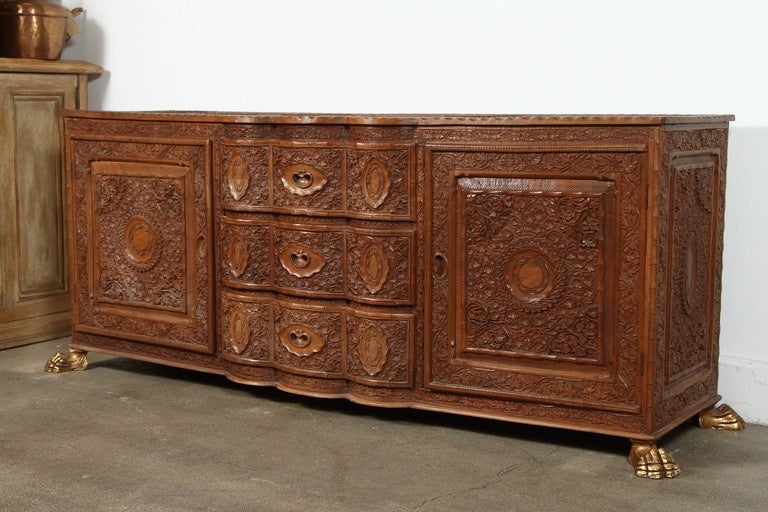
point(381, 267)
point(307, 339)
point(244, 254)
point(380, 349)
point(380, 182)
point(244, 176)
point(308, 178)
point(246, 330)
point(309, 262)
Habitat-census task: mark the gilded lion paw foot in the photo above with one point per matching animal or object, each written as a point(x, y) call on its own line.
point(650, 461)
point(722, 417)
point(76, 360)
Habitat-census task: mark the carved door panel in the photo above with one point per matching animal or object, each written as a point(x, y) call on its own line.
point(528, 272)
point(142, 242)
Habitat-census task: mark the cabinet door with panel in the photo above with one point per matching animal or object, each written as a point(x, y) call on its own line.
point(142, 241)
point(536, 276)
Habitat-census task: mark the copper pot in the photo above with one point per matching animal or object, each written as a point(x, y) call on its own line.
point(32, 30)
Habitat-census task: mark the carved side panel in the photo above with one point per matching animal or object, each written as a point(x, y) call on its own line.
point(380, 182)
point(308, 178)
point(380, 349)
point(691, 207)
point(246, 330)
point(244, 253)
point(142, 256)
point(309, 262)
point(381, 268)
point(565, 255)
point(244, 175)
point(309, 340)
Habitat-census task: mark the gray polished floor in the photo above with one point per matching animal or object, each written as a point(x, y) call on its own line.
point(132, 436)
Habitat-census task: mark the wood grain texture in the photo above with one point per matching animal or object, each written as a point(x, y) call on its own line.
point(34, 281)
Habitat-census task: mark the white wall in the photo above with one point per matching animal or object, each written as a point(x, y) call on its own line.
point(524, 56)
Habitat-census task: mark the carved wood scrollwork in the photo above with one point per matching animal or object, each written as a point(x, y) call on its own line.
point(303, 179)
point(141, 243)
point(374, 267)
point(301, 340)
point(237, 176)
point(373, 350)
point(301, 261)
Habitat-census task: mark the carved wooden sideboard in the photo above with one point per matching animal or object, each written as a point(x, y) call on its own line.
point(560, 271)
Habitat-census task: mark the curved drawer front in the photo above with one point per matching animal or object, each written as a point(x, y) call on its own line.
point(308, 178)
point(244, 255)
point(380, 349)
point(380, 182)
point(363, 180)
point(244, 175)
point(381, 267)
point(322, 339)
point(308, 340)
point(246, 330)
point(309, 262)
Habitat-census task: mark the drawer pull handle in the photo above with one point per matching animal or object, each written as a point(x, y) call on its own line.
point(302, 179)
point(300, 340)
point(301, 261)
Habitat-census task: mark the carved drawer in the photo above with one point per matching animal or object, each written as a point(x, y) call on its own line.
point(379, 348)
point(364, 180)
point(245, 257)
point(246, 329)
point(381, 181)
point(308, 338)
point(381, 266)
point(309, 261)
point(244, 180)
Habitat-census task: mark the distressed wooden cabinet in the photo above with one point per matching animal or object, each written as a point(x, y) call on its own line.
point(560, 271)
point(34, 289)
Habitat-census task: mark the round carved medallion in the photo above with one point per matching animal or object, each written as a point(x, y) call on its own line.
point(530, 275)
point(140, 243)
point(239, 329)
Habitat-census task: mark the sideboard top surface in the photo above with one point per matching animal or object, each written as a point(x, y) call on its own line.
point(406, 119)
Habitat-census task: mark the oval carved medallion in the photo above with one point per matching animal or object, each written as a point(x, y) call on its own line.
point(300, 340)
point(141, 243)
point(373, 350)
point(239, 329)
point(303, 179)
point(237, 176)
point(374, 267)
point(376, 182)
point(301, 261)
point(237, 254)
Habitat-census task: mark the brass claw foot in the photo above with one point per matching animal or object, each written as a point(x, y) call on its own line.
point(76, 360)
point(722, 417)
point(650, 461)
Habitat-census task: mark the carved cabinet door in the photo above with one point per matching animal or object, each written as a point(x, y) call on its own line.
point(142, 242)
point(535, 280)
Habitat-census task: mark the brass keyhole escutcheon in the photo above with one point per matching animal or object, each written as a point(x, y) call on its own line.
point(299, 338)
point(300, 259)
point(302, 179)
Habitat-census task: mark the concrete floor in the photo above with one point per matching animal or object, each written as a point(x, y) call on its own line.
point(132, 436)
